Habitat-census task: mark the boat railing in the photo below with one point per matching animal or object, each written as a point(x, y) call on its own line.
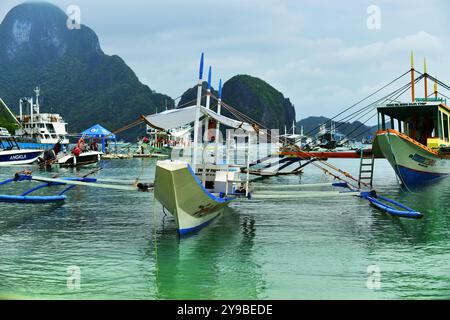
point(229, 165)
point(409, 139)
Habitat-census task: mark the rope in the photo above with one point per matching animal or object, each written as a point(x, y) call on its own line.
point(242, 116)
point(309, 155)
point(362, 100)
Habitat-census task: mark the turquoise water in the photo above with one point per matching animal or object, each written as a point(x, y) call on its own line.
point(126, 248)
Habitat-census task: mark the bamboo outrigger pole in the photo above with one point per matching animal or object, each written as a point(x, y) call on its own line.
point(412, 77)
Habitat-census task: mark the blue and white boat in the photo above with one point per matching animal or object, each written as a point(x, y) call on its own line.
point(12, 154)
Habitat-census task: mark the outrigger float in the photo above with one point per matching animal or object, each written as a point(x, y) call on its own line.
point(28, 197)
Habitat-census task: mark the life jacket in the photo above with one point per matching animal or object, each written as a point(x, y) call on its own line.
point(76, 151)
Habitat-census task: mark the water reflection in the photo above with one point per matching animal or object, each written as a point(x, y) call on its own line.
point(215, 263)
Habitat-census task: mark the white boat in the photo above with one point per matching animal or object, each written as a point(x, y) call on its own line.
point(4, 132)
point(179, 191)
point(11, 154)
point(36, 129)
point(85, 158)
point(193, 191)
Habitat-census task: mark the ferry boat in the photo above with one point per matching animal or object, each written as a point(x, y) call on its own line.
point(415, 137)
point(39, 130)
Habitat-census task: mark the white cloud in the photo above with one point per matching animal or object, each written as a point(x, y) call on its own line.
point(395, 46)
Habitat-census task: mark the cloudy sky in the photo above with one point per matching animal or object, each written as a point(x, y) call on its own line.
point(321, 54)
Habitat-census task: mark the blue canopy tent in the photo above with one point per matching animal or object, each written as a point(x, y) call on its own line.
point(97, 131)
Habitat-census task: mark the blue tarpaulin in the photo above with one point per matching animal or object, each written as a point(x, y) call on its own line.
point(97, 131)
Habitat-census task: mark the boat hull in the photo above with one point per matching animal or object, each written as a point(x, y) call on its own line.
point(413, 163)
point(182, 194)
point(83, 159)
point(19, 157)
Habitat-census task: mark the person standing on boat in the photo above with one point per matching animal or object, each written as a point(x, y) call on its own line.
point(144, 144)
point(81, 145)
point(93, 145)
point(50, 155)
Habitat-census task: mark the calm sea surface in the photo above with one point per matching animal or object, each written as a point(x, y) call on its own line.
point(125, 247)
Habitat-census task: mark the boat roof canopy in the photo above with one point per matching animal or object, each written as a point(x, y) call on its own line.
point(405, 111)
point(176, 118)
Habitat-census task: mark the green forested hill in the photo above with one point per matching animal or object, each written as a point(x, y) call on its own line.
point(253, 97)
point(86, 86)
point(76, 78)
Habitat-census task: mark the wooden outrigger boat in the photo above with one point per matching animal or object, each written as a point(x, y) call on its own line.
point(193, 191)
point(417, 141)
point(179, 190)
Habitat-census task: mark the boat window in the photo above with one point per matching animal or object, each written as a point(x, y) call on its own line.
point(6, 144)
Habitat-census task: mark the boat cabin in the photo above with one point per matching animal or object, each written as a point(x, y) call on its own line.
point(427, 121)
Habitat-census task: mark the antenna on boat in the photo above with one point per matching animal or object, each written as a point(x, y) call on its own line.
point(425, 76)
point(412, 77)
point(197, 112)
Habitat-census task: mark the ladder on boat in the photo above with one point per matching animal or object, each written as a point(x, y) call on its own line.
point(366, 165)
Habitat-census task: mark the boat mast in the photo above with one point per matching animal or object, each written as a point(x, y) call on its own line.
point(37, 91)
point(197, 113)
point(219, 107)
point(208, 103)
point(206, 126)
point(31, 110)
point(208, 90)
point(412, 77)
point(425, 76)
point(435, 90)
